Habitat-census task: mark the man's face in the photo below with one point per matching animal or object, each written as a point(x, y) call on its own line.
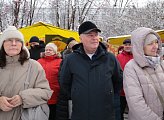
point(127, 47)
point(32, 44)
point(90, 41)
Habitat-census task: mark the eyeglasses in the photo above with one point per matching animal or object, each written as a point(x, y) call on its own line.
point(13, 40)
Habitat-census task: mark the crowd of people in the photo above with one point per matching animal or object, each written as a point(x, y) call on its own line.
point(85, 81)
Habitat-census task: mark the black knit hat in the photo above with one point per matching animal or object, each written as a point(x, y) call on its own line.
point(69, 40)
point(34, 39)
point(87, 27)
point(127, 41)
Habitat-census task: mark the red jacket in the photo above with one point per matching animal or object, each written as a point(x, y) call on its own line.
point(51, 66)
point(123, 58)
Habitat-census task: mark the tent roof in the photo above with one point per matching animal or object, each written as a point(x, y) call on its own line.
point(41, 29)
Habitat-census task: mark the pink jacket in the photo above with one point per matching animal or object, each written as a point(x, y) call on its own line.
point(142, 99)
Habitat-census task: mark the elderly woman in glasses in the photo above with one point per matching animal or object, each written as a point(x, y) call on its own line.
point(14, 66)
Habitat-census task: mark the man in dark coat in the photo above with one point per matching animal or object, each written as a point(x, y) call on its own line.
point(90, 76)
point(35, 48)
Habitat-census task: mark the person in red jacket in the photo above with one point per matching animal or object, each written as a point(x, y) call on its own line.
point(123, 58)
point(51, 63)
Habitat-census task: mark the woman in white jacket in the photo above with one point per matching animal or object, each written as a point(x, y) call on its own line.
point(144, 76)
point(14, 67)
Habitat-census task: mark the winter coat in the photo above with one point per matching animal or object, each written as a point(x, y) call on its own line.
point(13, 76)
point(51, 66)
point(141, 96)
point(90, 83)
point(123, 58)
point(36, 51)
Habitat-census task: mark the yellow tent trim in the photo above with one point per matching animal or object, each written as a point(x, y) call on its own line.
point(118, 40)
point(161, 34)
point(115, 42)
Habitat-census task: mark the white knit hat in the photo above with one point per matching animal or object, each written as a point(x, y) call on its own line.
point(53, 46)
point(12, 32)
